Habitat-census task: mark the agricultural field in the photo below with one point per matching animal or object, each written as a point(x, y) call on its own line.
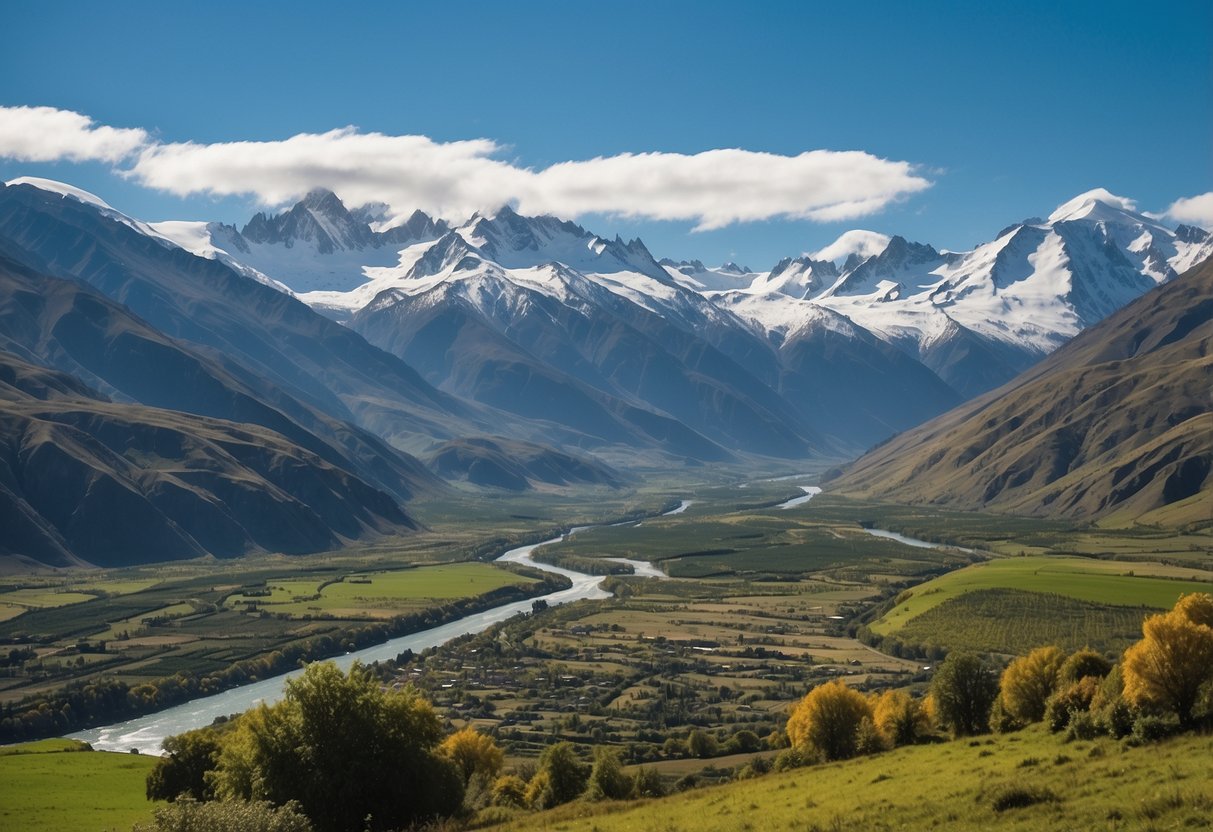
point(1011, 605)
point(1028, 781)
point(106, 789)
point(1116, 583)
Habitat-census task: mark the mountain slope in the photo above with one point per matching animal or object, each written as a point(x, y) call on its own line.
point(271, 336)
point(86, 480)
point(1116, 424)
point(66, 325)
point(516, 466)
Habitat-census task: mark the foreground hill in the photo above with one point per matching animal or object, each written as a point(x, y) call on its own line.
point(86, 480)
point(1117, 424)
point(1024, 781)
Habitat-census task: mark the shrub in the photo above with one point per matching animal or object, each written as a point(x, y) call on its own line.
point(509, 790)
point(1064, 704)
point(1151, 728)
point(607, 780)
point(1116, 719)
point(1028, 682)
point(899, 717)
point(701, 744)
point(1083, 726)
point(648, 783)
point(1018, 797)
point(187, 815)
point(565, 775)
point(1082, 664)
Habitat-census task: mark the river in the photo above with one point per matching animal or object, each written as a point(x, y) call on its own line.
point(147, 732)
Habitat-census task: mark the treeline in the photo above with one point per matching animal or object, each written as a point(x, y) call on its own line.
point(85, 704)
point(1161, 685)
point(340, 752)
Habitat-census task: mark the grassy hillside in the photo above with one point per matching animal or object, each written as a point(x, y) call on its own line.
point(1115, 425)
point(960, 785)
point(53, 786)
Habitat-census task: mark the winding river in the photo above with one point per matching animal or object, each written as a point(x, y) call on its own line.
point(147, 732)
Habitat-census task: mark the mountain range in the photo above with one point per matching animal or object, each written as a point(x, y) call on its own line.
point(503, 351)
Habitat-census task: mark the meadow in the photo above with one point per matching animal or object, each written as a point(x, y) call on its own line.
point(56, 786)
point(1029, 781)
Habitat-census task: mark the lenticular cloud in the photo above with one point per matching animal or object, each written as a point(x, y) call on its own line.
point(712, 189)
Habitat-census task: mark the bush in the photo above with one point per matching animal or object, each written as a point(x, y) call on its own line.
point(1002, 722)
point(701, 744)
point(607, 780)
point(899, 717)
point(1116, 719)
point(1082, 664)
point(1083, 726)
point(1149, 728)
point(789, 759)
point(509, 790)
point(648, 783)
point(1075, 699)
point(187, 815)
point(1174, 660)
point(565, 775)
point(1018, 797)
point(1028, 682)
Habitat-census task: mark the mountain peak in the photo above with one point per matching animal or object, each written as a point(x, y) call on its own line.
point(1097, 203)
point(856, 243)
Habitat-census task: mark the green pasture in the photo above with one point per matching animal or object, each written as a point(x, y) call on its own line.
point(52, 786)
point(380, 592)
point(1115, 583)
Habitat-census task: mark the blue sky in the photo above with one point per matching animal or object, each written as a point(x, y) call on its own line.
point(1006, 111)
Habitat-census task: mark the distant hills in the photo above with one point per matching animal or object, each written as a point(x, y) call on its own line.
point(391, 361)
point(1117, 424)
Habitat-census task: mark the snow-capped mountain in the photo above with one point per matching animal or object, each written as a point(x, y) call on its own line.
point(593, 338)
point(316, 246)
point(1006, 303)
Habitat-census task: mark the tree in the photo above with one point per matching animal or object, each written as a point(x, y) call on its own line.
point(1174, 660)
point(565, 775)
point(345, 749)
point(226, 816)
point(826, 721)
point(701, 744)
point(899, 717)
point(1029, 681)
point(607, 780)
point(473, 753)
point(183, 768)
point(509, 790)
point(1080, 665)
point(962, 692)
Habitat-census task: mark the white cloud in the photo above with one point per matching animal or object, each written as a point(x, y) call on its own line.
point(713, 189)
point(45, 134)
point(1195, 210)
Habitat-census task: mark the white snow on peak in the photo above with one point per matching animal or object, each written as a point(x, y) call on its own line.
point(63, 189)
point(196, 238)
point(857, 241)
point(1093, 204)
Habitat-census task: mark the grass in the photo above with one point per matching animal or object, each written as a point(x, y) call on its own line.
point(53, 786)
point(1116, 583)
point(948, 786)
point(379, 594)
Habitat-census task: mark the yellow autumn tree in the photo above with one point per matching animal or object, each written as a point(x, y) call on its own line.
point(473, 753)
point(826, 722)
point(899, 717)
point(1170, 665)
point(1029, 681)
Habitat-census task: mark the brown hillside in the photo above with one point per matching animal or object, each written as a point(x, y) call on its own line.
point(1116, 424)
